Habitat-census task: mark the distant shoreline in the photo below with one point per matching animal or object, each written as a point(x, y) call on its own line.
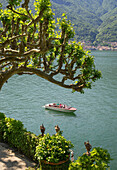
point(101, 48)
point(105, 46)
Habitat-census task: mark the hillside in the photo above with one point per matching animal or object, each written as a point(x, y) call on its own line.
point(93, 20)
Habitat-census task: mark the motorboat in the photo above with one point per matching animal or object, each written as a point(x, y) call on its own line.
point(60, 107)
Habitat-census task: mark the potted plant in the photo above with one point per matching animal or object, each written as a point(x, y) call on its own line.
point(53, 152)
point(98, 158)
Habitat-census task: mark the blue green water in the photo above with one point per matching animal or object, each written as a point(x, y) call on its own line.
point(95, 120)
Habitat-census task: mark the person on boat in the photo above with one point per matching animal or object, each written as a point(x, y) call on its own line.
point(60, 105)
point(57, 105)
point(54, 104)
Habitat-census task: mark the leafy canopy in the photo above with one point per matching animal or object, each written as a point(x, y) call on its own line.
point(35, 43)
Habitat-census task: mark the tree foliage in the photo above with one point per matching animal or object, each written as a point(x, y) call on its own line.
point(33, 43)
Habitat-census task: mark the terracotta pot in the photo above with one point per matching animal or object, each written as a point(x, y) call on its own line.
point(62, 165)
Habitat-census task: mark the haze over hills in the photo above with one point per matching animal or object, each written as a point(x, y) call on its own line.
point(94, 21)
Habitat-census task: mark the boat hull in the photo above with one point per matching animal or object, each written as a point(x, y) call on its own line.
point(71, 109)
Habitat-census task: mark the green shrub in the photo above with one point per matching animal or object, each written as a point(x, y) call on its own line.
point(30, 142)
point(53, 148)
point(98, 159)
point(13, 132)
point(2, 116)
point(2, 125)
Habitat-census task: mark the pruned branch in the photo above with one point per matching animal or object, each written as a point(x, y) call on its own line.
point(16, 12)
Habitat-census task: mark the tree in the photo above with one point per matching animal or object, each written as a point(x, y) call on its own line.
point(34, 43)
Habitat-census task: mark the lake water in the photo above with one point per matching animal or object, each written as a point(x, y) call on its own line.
point(95, 120)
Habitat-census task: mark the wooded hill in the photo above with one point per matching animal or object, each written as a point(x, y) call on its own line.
point(94, 21)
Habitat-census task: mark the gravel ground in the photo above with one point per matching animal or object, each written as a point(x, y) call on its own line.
point(12, 160)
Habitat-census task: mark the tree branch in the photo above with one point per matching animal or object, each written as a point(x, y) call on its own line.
point(16, 12)
point(7, 59)
point(50, 78)
point(2, 45)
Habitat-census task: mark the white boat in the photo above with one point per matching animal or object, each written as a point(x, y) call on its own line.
point(60, 107)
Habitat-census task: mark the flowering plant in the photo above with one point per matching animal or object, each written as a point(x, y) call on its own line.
point(53, 148)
